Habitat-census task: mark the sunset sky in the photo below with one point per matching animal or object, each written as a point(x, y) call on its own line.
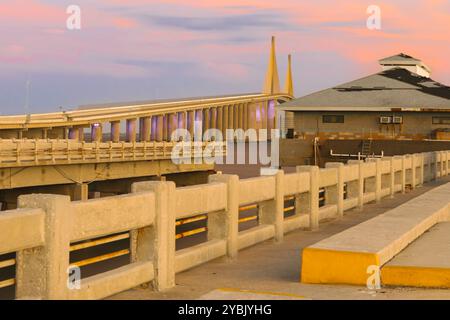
point(147, 49)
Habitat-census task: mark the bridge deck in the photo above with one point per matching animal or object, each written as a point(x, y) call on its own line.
point(270, 270)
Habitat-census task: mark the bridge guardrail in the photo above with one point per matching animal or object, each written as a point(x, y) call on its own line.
point(22, 153)
point(151, 211)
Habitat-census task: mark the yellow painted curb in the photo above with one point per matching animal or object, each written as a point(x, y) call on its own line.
point(336, 267)
point(406, 276)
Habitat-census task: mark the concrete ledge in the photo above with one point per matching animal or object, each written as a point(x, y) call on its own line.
point(424, 263)
point(344, 258)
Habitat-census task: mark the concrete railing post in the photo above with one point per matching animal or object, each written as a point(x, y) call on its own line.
point(338, 196)
point(392, 177)
point(157, 243)
point(436, 165)
point(422, 168)
point(378, 180)
point(231, 223)
point(272, 212)
point(403, 174)
point(413, 171)
point(42, 272)
point(360, 164)
point(313, 198)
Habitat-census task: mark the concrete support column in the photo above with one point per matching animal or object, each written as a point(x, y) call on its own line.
point(131, 130)
point(220, 120)
point(115, 131)
point(96, 132)
point(360, 182)
point(191, 123)
point(225, 120)
point(81, 192)
point(272, 212)
point(42, 272)
point(313, 197)
point(241, 116)
point(213, 118)
point(251, 117)
point(198, 129)
point(337, 195)
point(230, 117)
point(236, 123)
point(245, 117)
point(206, 122)
point(229, 221)
point(270, 116)
point(166, 135)
point(173, 125)
point(157, 243)
point(145, 129)
point(159, 128)
point(264, 115)
point(76, 133)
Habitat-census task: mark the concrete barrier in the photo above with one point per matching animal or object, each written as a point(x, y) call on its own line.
point(43, 229)
point(344, 258)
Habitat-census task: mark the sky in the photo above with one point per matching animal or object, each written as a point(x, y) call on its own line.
point(129, 50)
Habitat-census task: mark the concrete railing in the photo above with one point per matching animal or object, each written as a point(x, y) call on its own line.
point(42, 230)
point(16, 152)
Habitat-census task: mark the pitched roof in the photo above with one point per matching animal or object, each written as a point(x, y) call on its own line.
point(395, 88)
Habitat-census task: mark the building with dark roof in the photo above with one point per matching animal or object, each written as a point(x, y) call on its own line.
point(400, 102)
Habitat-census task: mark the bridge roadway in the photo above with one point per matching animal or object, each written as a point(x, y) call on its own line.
point(272, 271)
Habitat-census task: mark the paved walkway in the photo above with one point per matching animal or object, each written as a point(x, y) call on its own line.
point(271, 271)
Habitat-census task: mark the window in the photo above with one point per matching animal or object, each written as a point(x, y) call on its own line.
point(333, 119)
point(441, 120)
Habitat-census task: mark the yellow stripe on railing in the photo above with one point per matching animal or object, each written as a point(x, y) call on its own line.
point(190, 233)
point(98, 242)
point(289, 209)
point(101, 258)
point(246, 219)
point(7, 283)
point(190, 220)
point(253, 206)
point(7, 263)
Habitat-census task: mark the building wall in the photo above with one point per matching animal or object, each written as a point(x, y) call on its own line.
point(359, 125)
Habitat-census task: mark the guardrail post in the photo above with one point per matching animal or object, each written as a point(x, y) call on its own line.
point(158, 243)
point(43, 272)
point(413, 171)
point(272, 212)
point(337, 195)
point(360, 164)
point(392, 177)
point(231, 223)
point(422, 168)
point(403, 174)
point(313, 198)
point(444, 162)
point(378, 180)
point(436, 165)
